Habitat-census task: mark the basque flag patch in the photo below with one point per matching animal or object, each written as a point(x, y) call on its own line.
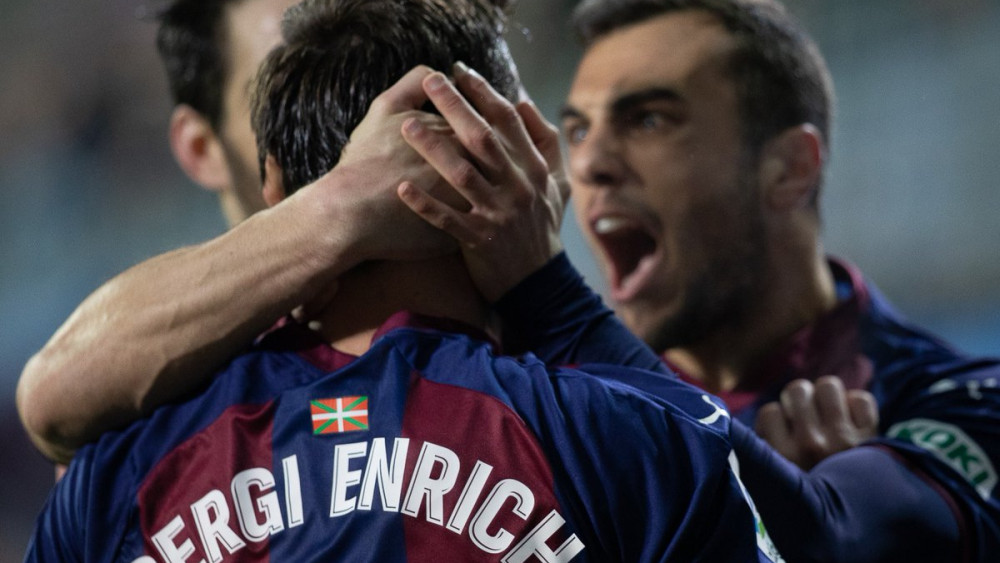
point(340, 414)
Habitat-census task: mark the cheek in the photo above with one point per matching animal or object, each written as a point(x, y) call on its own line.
point(580, 199)
point(577, 195)
point(245, 144)
point(237, 130)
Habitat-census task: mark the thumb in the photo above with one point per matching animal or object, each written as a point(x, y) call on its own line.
point(406, 94)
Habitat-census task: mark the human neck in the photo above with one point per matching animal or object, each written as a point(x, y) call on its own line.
point(796, 293)
point(371, 293)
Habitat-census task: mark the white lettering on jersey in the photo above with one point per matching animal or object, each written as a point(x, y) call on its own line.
point(247, 508)
point(433, 477)
point(164, 542)
point(524, 502)
point(424, 487)
point(343, 477)
point(536, 543)
point(387, 474)
point(293, 491)
point(255, 503)
point(211, 517)
point(470, 494)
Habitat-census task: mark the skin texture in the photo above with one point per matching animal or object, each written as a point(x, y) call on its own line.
point(710, 250)
point(156, 331)
point(815, 420)
point(225, 161)
point(504, 161)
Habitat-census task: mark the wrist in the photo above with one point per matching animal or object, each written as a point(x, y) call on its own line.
point(326, 239)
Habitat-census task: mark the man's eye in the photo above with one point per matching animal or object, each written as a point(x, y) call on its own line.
point(575, 134)
point(648, 120)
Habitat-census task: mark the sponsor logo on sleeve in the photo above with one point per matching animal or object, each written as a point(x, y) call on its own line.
point(718, 413)
point(952, 446)
point(764, 542)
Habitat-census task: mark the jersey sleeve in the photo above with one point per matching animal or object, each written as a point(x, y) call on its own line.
point(941, 415)
point(861, 505)
point(653, 469)
point(556, 316)
point(59, 530)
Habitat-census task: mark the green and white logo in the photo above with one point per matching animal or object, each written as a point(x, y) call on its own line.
point(952, 446)
point(764, 542)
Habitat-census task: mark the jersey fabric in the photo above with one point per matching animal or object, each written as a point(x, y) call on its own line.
point(429, 447)
point(939, 444)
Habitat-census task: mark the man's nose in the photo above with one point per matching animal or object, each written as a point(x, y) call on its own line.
point(598, 160)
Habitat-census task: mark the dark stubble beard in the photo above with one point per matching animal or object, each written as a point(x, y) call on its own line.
point(721, 296)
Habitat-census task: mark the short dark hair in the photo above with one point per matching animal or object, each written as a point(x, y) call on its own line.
point(191, 41)
point(780, 77)
point(339, 55)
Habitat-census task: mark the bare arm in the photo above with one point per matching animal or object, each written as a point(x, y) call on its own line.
point(160, 329)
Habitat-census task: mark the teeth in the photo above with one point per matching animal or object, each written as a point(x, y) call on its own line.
point(606, 225)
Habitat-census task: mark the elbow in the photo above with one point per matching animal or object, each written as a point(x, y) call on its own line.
point(32, 396)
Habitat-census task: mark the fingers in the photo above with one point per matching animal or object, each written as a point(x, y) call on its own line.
point(496, 109)
point(773, 427)
point(831, 401)
point(307, 312)
point(406, 94)
point(545, 137)
point(864, 411)
point(472, 130)
point(436, 212)
point(797, 402)
point(813, 420)
point(543, 134)
point(436, 145)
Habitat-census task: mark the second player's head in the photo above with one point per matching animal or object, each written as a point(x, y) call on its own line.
point(697, 131)
point(339, 55)
point(211, 50)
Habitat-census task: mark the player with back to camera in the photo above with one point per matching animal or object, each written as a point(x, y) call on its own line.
point(408, 438)
point(933, 457)
point(155, 331)
point(697, 135)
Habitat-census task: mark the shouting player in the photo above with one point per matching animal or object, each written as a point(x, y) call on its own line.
point(394, 432)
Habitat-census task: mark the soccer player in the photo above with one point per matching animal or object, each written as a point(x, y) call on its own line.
point(409, 439)
point(179, 316)
point(697, 133)
point(717, 111)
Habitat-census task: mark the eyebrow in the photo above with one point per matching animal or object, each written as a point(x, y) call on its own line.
point(633, 99)
point(628, 101)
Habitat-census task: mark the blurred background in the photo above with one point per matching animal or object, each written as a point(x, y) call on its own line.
point(88, 186)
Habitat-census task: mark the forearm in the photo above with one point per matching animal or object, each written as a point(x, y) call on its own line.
point(861, 505)
point(159, 330)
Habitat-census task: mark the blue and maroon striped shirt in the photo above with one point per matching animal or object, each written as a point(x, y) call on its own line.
point(429, 447)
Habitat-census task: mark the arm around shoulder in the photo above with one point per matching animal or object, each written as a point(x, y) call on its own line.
point(160, 329)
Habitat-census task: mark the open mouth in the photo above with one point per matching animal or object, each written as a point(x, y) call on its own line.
point(630, 250)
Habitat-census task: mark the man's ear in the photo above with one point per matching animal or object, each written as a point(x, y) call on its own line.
point(198, 150)
point(274, 187)
point(791, 166)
